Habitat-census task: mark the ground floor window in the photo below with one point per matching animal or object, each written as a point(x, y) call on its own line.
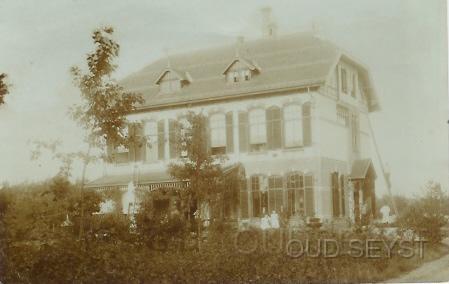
point(292, 194)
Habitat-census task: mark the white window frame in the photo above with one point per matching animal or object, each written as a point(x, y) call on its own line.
point(293, 128)
point(257, 126)
point(151, 134)
point(217, 122)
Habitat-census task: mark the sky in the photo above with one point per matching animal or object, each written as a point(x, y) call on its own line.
point(403, 43)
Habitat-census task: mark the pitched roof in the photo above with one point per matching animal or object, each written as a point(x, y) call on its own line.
point(360, 168)
point(287, 62)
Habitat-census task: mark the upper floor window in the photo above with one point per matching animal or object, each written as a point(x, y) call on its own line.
point(218, 133)
point(171, 81)
point(151, 137)
point(257, 129)
point(293, 128)
point(240, 70)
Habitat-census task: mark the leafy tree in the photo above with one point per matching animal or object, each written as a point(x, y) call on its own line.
point(4, 88)
point(199, 167)
point(427, 214)
point(105, 104)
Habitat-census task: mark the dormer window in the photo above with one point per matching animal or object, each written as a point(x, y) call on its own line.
point(240, 70)
point(171, 81)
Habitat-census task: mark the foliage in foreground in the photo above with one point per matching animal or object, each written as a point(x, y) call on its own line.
point(35, 248)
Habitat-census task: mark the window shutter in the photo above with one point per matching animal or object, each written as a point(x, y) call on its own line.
point(243, 132)
point(140, 142)
point(342, 195)
point(310, 201)
point(229, 133)
point(307, 124)
point(276, 127)
point(335, 195)
point(172, 135)
point(160, 140)
point(207, 134)
point(132, 149)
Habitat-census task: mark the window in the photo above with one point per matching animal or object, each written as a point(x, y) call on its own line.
point(151, 136)
point(300, 200)
point(246, 75)
point(259, 196)
point(293, 126)
point(243, 132)
point(344, 81)
point(170, 83)
point(161, 140)
point(275, 194)
point(244, 213)
point(257, 129)
point(184, 132)
point(218, 131)
point(295, 194)
point(338, 194)
point(235, 76)
point(343, 115)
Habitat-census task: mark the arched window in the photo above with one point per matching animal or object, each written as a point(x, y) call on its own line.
point(293, 126)
point(151, 137)
point(217, 124)
point(257, 129)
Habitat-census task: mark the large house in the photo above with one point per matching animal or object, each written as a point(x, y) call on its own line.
point(291, 111)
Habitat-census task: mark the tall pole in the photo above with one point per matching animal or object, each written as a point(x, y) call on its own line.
point(384, 173)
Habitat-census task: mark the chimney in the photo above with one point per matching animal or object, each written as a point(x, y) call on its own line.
point(269, 26)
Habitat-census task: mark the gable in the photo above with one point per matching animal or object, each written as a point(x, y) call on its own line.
point(170, 74)
point(239, 64)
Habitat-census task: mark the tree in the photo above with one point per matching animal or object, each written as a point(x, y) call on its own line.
point(105, 104)
point(427, 214)
point(4, 88)
point(202, 171)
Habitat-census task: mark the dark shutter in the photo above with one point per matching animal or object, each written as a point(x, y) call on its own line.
point(160, 140)
point(243, 132)
point(172, 141)
point(270, 130)
point(131, 142)
point(140, 142)
point(342, 195)
point(207, 134)
point(307, 124)
point(310, 201)
point(229, 133)
point(335, 195)
point(276, 127)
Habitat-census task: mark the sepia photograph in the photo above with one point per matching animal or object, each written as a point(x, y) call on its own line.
point(224, 141)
